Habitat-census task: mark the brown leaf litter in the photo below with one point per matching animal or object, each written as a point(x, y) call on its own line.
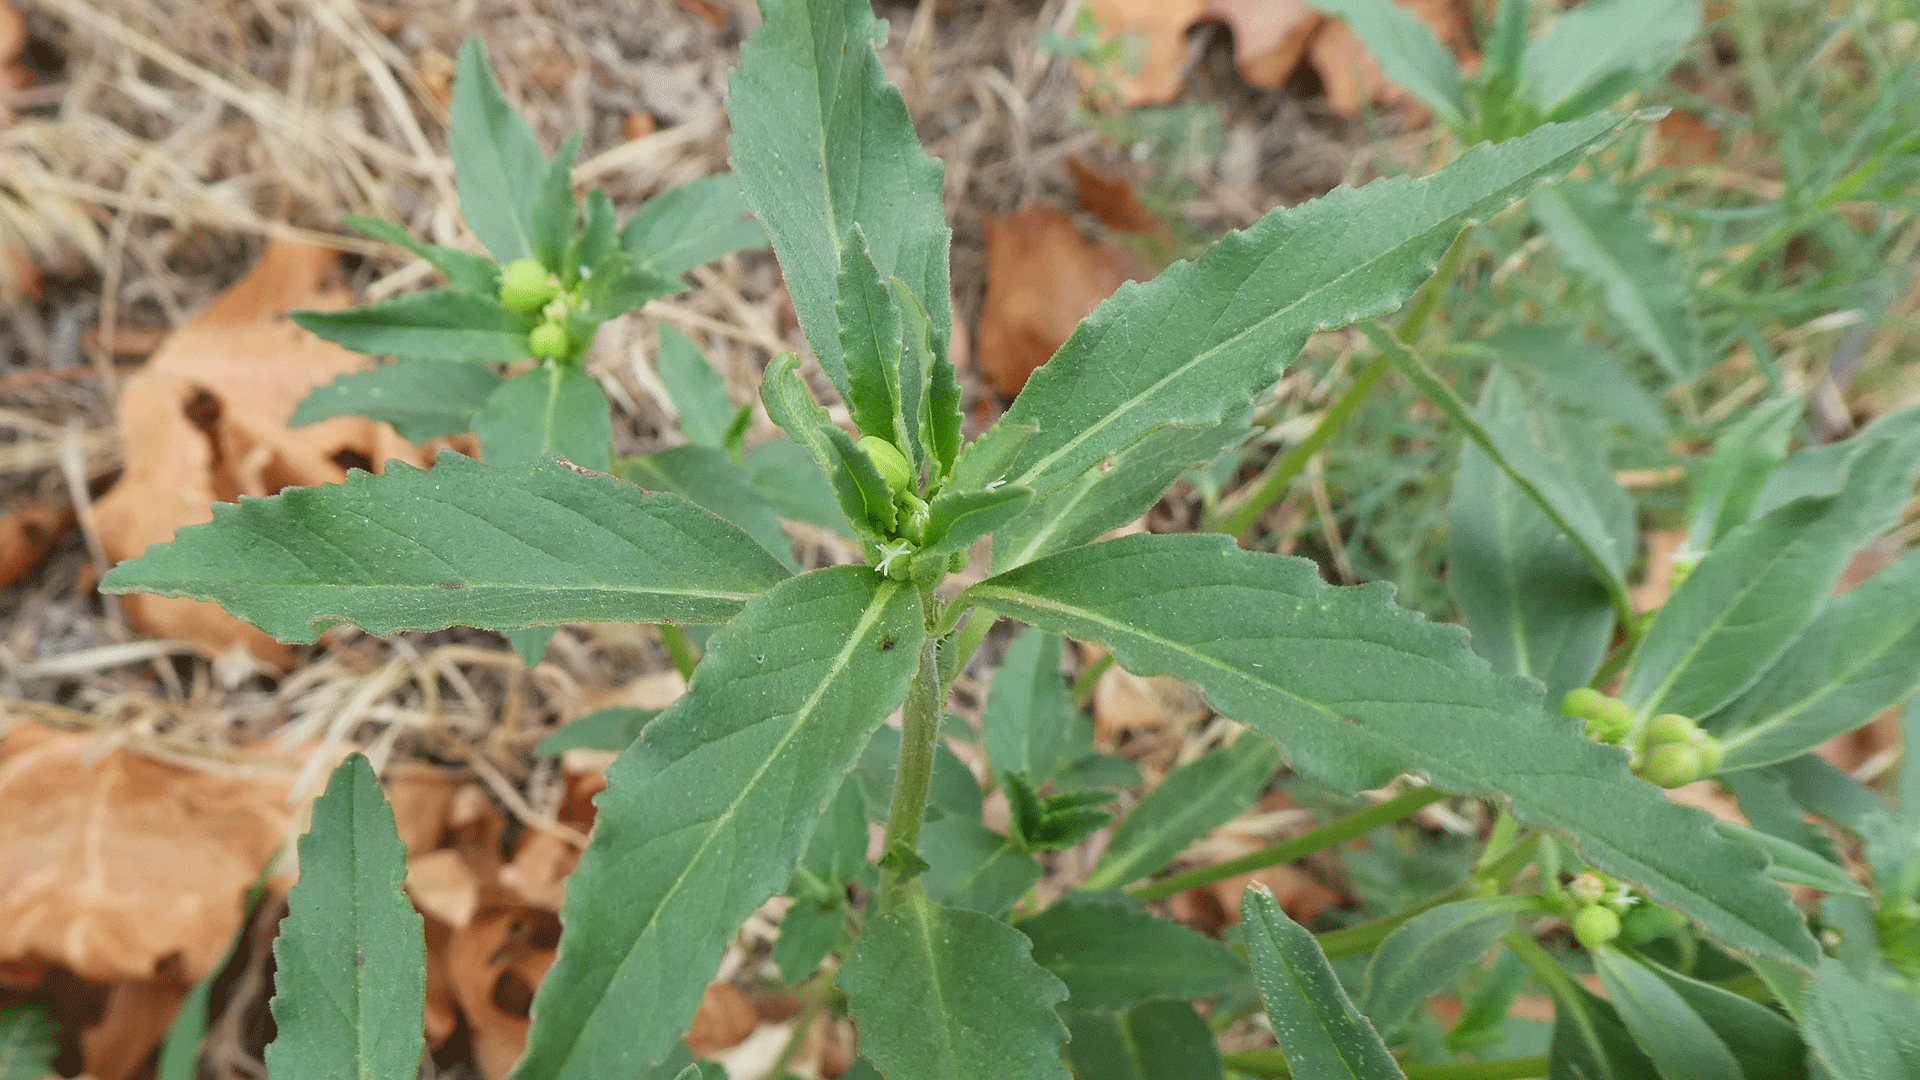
point(205, 421)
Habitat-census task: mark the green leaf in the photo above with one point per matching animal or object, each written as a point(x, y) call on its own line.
point(822, 144)
point(607, 729)
point(1586, 509)
point(695, 223)
point(439, 324)
point(1858, 658)
point(1113, 956)
point(1591, 1043)
point(836, 853)
point(1028, 708)
point(944, 994)
point(1861, 1028)
point(422, 399)
point(598, 234)
point(1191, 802)
point(1198, 343)
point(1820, 470)
point(1681, 1044)
point(955, 519)
point(1764, 1042)
point(870, 338)
point(698, 391)
point(1102, 498)
point(808, 932)
point(351, 961)
point(1754, 593)
point(706, 477)
point(862, 493)
point(1426, 953)
point(971, 866)
point(1533, 602)
point(1577, 371)
point(552, 217)
point(705, 817)
point(462, 269)
point(496, 158)
point(1155, 1040)
point(1357, 690)
point(29, 1041)
point(1792, 863)
point(530, 643)
point(786, 474)
point(1320, 1032)
point(1599, 231)
point(620, 283)
point(1743, 457)
point(554, 408)
point(462, 544)
point(1603, 49)
point(1408, 54)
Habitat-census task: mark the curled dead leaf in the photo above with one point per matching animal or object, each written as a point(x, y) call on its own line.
point(27, 532)
point(124, 868)
point(1152, 35)
point(1043, 277)
point(206, 421)
point(1352, 77)
point(727, 1015)
point(136, 1018)
point(495, 964)
point(1270, 37)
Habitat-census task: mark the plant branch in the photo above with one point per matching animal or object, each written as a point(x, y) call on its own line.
point(1274, 1063)
point(912, 778)
point(1326, 836)
point(1354, 940)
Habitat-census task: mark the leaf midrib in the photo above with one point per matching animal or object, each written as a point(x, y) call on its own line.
point(1826, 688)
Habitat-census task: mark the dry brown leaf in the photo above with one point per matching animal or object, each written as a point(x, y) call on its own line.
point(1681, 139)
point(422, 797)
point(27, 532)
point(1351, 76)
point(1212, 907)
point(113, 863)
point(1269, 37)
point(727, 1015)
point(13, 76)
point(136, 1019)
point(444, 886)
point(1153, 33)
point(495, 963)
point(1124, 702)
point(1110, 199)
point(443, 1014)
point(205, 421)
point(1043, 277)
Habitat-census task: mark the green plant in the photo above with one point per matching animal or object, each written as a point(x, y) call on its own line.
point(763, 777)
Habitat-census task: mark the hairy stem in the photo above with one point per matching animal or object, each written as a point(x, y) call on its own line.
point(920, 730)
point(1325, 836)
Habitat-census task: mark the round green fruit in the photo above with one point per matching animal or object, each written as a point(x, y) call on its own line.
point(1595, 926)
point(526, 286)
point(549, 341)
point(892, 464)
point(1672, 764)
point(1670, 728)
point(1712, 754)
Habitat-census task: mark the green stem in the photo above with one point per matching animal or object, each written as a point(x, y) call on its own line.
point(1083, 686)
point(680, 648)
point(912, 778)
point(1274, 1063)
point(1326, 836)
point(961, 647)
point(1280, 475)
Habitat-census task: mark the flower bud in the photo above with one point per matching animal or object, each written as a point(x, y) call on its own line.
point(1672, 764)
point(892, 464)
point(526, 286)
point(549, 341)
point(1595, 926)
point(1670, 728)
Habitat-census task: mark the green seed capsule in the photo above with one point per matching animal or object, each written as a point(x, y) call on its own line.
point(1670, 728)
point(1672, 764)
point(1609, 719)
point(887, 458)
point(1595, 926)
point(525, 286)
point(549, 341)
point(1712, 754)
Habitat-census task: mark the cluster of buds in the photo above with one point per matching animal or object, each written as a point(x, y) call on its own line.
point(1670, 751)
point(897, 471)
point(1604, 910)
point(527, 287)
